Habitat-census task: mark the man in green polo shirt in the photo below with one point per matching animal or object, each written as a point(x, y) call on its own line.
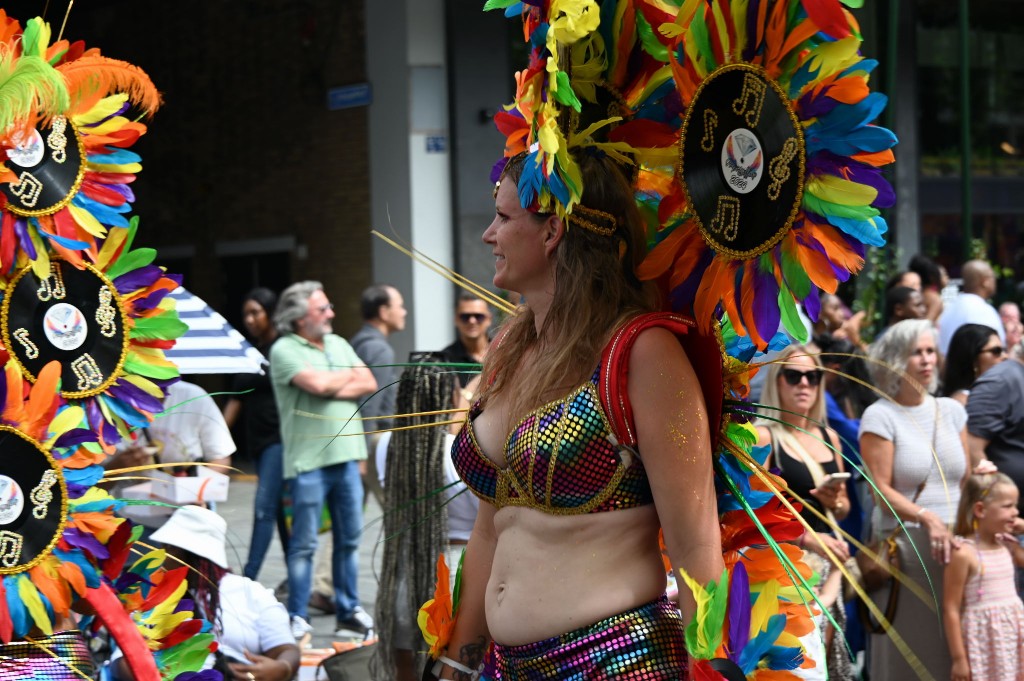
point(318, 381)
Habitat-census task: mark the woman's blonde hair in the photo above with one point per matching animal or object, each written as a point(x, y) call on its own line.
point(979, 487)
point(596, 290)
point(770, 393)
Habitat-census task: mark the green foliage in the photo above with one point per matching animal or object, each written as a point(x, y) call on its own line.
point(880, 265)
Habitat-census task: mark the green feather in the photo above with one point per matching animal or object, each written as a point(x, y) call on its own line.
point(790, 317)
point(564, 93)
point(30, 37)
point(131, 261)
point(160, 327)
point(133, 365)
point(649, 41)
point(823, 207)
point(498, 4)
point(795, 276)
point(29, 85)
point(702, 40)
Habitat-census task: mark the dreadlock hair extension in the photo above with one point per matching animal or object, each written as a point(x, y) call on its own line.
point(204, 585)
point(415, 520)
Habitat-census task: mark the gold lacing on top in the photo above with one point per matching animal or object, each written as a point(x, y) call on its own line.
point(593, 220)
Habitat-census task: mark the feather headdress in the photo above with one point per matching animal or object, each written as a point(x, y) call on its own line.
point(756, 166)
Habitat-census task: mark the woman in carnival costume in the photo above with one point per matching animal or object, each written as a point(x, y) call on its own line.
point(734, 137)
point(84, 322)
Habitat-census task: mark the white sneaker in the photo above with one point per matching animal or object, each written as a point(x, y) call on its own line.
point(357, 626)
point(300, 628)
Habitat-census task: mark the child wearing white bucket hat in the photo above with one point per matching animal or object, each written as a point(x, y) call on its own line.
point(251, 626)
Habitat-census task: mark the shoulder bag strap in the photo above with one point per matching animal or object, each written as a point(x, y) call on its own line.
point(703, 351)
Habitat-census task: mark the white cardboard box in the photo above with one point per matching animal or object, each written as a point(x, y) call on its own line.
point(209, 484)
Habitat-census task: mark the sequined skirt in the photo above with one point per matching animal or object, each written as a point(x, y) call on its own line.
point(65, 655)
point(642, 644)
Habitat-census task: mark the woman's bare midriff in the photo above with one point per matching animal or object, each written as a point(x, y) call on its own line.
point(553, 574)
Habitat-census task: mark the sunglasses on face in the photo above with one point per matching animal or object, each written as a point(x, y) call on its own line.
point(794, 376)
point(467, 317)
point(996, 352)
point(324, 308)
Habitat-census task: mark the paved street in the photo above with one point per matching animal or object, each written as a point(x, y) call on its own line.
point(237, 510)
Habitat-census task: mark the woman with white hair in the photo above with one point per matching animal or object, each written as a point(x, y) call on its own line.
point(915, 448)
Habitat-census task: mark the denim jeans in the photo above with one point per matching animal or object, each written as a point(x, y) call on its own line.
point(267, 509)
point(341, 487)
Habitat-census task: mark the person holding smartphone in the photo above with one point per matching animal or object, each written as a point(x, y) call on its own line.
point(808, 455)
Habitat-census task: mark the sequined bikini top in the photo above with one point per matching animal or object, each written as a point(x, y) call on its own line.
point(560, 460)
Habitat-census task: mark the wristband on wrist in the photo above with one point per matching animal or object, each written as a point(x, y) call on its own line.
point(457, 666)
point(921, 510)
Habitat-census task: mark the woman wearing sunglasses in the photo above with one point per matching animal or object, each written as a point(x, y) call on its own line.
point(915, 448)
point(973, 350)
point(806, 453)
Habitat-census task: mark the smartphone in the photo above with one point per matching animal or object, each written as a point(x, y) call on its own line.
point(835, 479)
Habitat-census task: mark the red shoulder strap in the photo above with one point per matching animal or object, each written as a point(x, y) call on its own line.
point(705, 355)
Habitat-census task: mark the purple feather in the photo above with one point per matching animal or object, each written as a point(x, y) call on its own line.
point(85, 541)
point(751, 49)
point(21, 230)
point(147, 303)
point(815, 105)
point(122, 189)
point(766, 304)
point(812, 303)
point(498, 168)
point(837, 269)
point(76, 491)
point(205, 675)
point(135, 397)
point(74, 437)
point(120, 111)
point(681, 298)
point(739, 611)
point(138, 279)
point(826, 162)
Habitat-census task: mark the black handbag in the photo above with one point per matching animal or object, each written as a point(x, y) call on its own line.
point(348, 665)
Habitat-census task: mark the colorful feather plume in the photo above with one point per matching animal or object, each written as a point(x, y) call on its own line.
point(87, 95)
point(810, 52)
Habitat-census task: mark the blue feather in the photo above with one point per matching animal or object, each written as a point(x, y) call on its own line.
point(19, 613)
point(87, 477)
point(759, 646)
point(105, 214)
point(111, 155)
point(70, 244)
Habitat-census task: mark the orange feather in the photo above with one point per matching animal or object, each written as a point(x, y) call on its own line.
point(877, 158)
point(14, 408)
point(817, 267)
point(838, 250)
point(93, 77)
point(661, 257)
point(41, 398)
point(44, 576)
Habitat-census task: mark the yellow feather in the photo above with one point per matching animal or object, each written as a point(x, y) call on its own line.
point(106, 107)
point(86, 221)
point(844, 192)
point(766, 605)
point(34, 604)
point(829, 58)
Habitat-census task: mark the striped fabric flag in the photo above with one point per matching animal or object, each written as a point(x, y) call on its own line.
point(211, 345)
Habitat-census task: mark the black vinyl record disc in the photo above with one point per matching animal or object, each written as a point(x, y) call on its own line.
point(50, 165)
point(742, 160)
point(73, 316)
point(33, 502)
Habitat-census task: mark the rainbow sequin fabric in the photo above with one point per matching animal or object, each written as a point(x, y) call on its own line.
point(642, 644)
point(560, 461)
point(47, 659)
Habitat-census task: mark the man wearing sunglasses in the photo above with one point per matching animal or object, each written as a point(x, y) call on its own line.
point(472, 320)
